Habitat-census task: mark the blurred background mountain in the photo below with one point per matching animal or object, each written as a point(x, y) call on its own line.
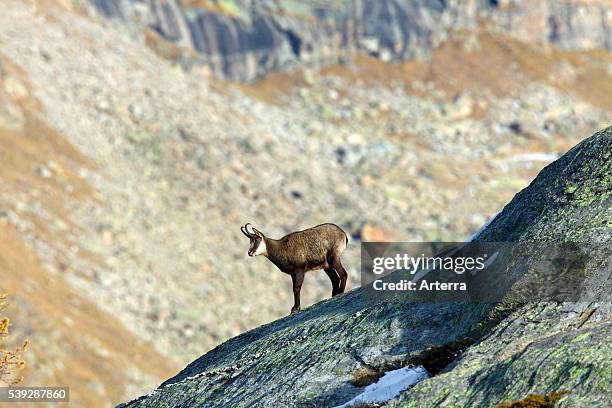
point(137, 136)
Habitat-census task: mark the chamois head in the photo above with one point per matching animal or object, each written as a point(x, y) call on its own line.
point(257, 245)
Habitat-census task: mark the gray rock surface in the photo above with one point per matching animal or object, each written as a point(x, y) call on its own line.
point(539, 347)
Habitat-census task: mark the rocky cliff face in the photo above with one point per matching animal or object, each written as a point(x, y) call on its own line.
point(310, 359)
point(248, 38)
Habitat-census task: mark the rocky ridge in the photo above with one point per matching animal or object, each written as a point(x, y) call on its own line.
point(536, 348)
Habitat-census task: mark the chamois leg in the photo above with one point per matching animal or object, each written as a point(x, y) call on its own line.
point(335, 280)
point(297, 278)
point(337, 265)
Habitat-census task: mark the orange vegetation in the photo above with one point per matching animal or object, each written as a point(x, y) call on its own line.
point(490, 63)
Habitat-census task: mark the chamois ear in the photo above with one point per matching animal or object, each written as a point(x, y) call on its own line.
point(256, 231)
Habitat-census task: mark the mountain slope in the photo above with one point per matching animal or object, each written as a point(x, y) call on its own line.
point(124, 178)
point(74, 341)
point(308, 359)
point(246, 39)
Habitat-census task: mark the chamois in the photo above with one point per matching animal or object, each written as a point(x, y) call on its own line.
point(295, 254)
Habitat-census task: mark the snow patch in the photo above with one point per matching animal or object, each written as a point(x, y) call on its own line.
point(389, 386)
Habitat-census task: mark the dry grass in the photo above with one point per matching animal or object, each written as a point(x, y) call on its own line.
point(536, 401)
point(166, 49)
point(483, 64)
point(215, 6)
point(437, 358)
point(274, 89)
point(36, 145)
point(201, 4)
point(74, 343)
point(364, 376)
point(489, 64)
point(11, 361)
